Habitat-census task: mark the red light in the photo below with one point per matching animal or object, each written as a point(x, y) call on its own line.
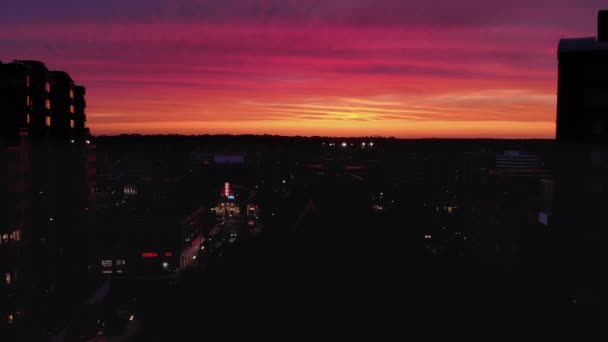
point(168, 254)
point(149, 254)
point(197, 241)
point(227, 190)
point(251, 223)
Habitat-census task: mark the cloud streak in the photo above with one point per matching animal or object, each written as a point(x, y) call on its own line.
point(306, 67)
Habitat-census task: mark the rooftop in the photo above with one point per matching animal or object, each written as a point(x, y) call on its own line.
point(36, 65)
point(588, 44)
point(581, 45)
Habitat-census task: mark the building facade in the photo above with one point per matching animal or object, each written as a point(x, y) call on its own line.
point(582, 91)
point(48, 205)
point(580, 187)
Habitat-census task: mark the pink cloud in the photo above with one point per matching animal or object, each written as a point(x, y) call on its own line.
point(294, 62)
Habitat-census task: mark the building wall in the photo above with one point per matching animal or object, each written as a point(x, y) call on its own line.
point(582, 95)
point(576, 245)
point(50, 175)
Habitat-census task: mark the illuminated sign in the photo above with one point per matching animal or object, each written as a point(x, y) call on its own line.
point(230, 197)
point(227, 191)
point(149, 254)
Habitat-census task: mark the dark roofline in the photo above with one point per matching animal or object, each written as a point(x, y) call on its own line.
point(586, 44)
point(34, 64)
point(61, 74)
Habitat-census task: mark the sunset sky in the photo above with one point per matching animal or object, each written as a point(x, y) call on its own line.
point(471, 68)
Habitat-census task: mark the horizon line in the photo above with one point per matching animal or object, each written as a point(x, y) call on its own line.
point(307, 136)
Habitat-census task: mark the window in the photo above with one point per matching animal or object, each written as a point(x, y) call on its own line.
point(27, 81)
point(47, 87)
point(72, 109)
point(27, 118)
point(120, 262)
point(106, 263)
point(48, 121)
point(28, 100)
point(48, 104)
point(7, 278)
point(16, 235)
point(71, 123)
point(10, 318)
point(71, 93)
point(5, 238)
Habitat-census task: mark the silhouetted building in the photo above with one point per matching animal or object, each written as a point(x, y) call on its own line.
point(582, 95)
point(47, 103)
point(578, 212)
point(48, 205)
point(137, 239)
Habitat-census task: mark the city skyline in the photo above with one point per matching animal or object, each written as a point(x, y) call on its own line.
point(160, 236)
point(356, 68)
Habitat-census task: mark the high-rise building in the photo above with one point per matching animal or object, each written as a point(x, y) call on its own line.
point(582, 91)
point(578, 216)
point(47, 201)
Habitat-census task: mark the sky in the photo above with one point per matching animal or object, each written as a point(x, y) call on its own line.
point(410, 69)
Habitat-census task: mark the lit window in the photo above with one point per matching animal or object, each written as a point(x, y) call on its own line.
point(47, 87)
point(10, 319)
point(71, 93)
point(47, 104)
point(72, 123)
point(28, 100)
point(7, 278)
point(106, 263)
point(72, 109)
point(16, 235)
point(48, 121)
point(27, 81)
point(5, 238)
point(27, 118)
point(120, 262)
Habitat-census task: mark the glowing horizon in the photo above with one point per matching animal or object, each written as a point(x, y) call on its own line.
point(406, 69)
